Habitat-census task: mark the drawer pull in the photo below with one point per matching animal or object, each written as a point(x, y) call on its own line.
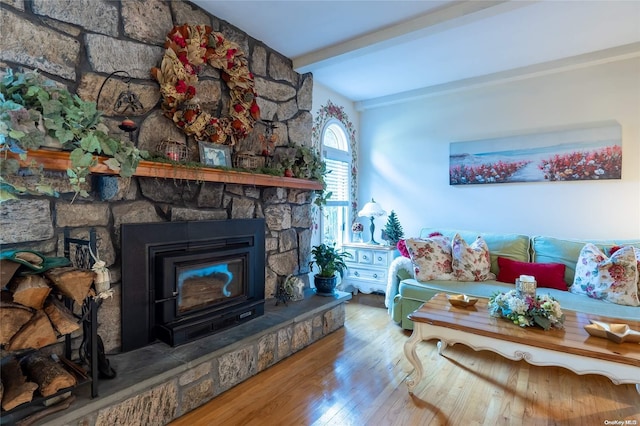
point(356, 273)
point(375, 275)
point(365, 257)
point(379, 258)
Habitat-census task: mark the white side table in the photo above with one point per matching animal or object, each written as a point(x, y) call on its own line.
point(367, 270)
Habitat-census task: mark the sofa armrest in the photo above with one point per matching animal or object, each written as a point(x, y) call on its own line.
point(401, 268)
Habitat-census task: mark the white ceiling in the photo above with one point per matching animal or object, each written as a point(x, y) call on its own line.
point(374, 50)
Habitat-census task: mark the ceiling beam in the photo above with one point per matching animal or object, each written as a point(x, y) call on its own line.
point(619, 53)
point(457, 14)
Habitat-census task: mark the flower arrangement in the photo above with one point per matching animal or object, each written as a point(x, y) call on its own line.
point(188, 47)
point(357, 227)
point(543, 311)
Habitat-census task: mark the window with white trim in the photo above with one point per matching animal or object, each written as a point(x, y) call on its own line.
point(337, 156)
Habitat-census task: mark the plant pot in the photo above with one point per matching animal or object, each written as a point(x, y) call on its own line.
point(325, 286)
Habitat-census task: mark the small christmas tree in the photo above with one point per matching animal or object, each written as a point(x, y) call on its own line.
point(393, 230)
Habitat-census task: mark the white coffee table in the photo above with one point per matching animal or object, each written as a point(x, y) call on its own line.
point(572, 347)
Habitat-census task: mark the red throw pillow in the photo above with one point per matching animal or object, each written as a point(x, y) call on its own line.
point(402, 248)
point(550, 275)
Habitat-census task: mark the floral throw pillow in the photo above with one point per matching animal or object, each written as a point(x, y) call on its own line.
point(637, 250)
point(614, 279)
point(431, 257)
point(586, 275)
point(471, 262)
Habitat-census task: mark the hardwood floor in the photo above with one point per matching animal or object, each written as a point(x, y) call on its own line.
point(355, 377)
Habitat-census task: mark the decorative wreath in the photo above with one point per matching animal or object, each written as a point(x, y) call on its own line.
point(187, 48)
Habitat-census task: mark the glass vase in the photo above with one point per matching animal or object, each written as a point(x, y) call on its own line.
point(526, 288)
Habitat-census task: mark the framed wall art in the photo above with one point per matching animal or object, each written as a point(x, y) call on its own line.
point(212, 154)
point(590, 152)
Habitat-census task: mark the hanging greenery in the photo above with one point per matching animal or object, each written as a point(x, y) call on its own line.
point(34, 112)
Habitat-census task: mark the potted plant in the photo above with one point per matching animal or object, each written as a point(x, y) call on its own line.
point(304, 163)
point(329, 261)
point(34, 112)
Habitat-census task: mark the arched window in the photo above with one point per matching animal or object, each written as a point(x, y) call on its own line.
point(337, 157)
point(334, 136)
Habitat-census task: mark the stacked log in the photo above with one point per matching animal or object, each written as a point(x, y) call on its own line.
point(12, 317)
point(36, 333)
point(71, 282)
point(16, 389)
point(32, 316)
point(48, 374)
point(20, 379)
point(30, 290)
point(61, 318)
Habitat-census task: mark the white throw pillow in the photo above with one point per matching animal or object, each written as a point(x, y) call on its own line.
point(471, 262)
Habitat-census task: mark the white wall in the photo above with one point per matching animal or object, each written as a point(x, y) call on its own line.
point(322, 94)
point(404, 156)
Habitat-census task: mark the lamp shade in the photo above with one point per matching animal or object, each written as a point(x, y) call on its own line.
point(372, 209)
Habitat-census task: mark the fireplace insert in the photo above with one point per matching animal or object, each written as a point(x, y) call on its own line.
point(185, 280)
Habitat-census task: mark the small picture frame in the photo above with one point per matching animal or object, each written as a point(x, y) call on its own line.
point(212, 154)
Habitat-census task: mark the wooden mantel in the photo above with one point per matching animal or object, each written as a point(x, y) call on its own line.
point(59, 160)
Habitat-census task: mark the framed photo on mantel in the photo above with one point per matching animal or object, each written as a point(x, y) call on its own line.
point(212, 154)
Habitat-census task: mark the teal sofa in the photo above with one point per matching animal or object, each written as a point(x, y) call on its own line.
point(405, 294)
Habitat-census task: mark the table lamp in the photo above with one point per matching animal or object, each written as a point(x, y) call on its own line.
point(372, 210)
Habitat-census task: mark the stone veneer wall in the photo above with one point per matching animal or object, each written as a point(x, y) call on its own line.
point(78, 43)
point(175, 389)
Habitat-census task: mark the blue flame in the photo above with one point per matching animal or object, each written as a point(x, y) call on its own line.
point(205, 272)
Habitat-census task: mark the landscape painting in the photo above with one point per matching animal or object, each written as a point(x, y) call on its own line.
point(587, 153)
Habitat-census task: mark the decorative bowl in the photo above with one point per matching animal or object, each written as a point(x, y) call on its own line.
point(461, 300)
point(618, 333)
point(595, 330)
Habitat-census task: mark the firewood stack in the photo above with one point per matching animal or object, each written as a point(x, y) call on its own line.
point(32, 316)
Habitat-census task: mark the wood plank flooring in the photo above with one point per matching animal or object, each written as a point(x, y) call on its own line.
point(355, 377)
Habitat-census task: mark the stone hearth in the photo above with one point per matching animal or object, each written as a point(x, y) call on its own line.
point(157, 383)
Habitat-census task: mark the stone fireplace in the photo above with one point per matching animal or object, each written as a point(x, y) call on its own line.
point(183, 377)
point(157, 382)
point(284, 214)
point(136, 32)
point(185, 280)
